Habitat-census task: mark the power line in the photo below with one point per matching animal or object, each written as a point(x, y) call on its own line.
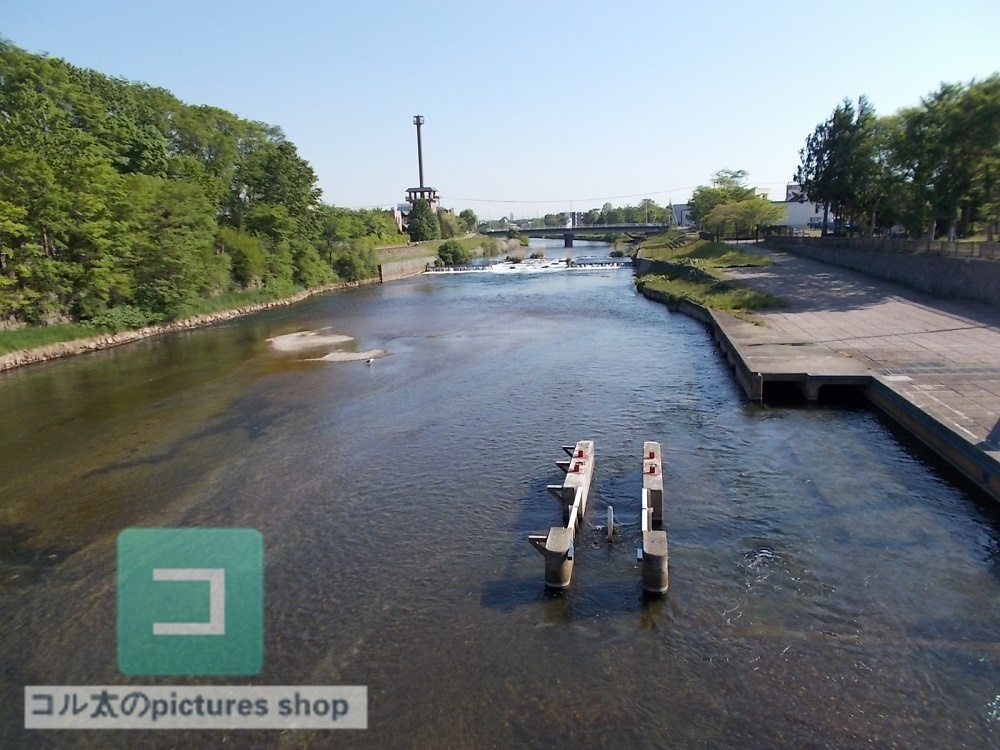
point(566, 200)
point(571, 200)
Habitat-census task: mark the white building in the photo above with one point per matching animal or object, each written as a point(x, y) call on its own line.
point(800, 213)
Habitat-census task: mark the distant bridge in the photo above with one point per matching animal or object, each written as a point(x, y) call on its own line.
point(568, 233)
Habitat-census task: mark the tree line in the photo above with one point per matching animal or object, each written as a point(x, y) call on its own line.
point(423, 223)
point(729, 208)
point(121, 205)
point(930, 170)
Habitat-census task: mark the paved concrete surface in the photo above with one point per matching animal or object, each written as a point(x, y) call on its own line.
point(942, 356)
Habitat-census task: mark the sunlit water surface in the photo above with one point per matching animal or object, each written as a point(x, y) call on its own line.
point(828, 587)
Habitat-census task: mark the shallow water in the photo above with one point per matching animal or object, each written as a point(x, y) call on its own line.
point(828, 587)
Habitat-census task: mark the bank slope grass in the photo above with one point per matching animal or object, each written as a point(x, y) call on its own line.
point(33, 337)
point(703, 254)
point(429, 248)
point(671, 239)
point(679, 281)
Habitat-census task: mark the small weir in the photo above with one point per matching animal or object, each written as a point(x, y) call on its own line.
point(557, 546)
point(537, 266)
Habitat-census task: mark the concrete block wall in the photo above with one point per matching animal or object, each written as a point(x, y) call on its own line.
point(972, 279)
point(401, 269)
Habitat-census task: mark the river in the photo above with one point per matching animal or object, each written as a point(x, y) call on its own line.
point(829, 586)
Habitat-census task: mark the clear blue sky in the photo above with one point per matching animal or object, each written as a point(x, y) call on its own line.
point(529, 106)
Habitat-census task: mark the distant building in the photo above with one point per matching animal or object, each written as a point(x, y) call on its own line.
point(399, 214)
point(801, 214)
point(428, 194)
point(682, 215)
point(793, 192)
point(764, 193)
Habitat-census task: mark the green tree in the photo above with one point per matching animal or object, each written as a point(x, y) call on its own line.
point(745, 217)
point(945, 148)
point(423, 222)
point(452, 253)
point(451, 225)
point(173, 257)
point(114, 198)
point(469, 219)
point(651, 212)
point(356, 261)
point(727, 187)
point(843, 166)
point(247, 256)
point(310, 269)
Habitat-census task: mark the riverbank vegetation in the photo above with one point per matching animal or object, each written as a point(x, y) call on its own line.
point(457, 251)
point(729, 208)
point(691, 270)
point(930, 170)
point(451, 253)
point(425, 224)
point(121, 206)
point(678, 281)
point(701, 253)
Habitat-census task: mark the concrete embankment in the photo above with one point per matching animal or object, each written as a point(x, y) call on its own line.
point(932, 365)
point(401, 269)
point(22, 357)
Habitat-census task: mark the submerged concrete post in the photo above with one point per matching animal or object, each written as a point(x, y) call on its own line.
point(557, 549)
point(557, 546)
point(654, 557)
point(655, 575)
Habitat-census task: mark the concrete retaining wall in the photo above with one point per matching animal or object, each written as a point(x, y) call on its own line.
point(401, 269)
point(961, 278)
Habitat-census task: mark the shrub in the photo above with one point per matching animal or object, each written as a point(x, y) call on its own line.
point(124, 318)
point(452, 253)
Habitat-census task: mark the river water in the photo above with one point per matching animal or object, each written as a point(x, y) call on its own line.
point(828, 586)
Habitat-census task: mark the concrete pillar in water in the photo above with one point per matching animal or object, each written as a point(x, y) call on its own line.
point(652, 481)
point(557, 549)
point(557, 546)
point(655, 576)
point(568, 239)
point(654, 540)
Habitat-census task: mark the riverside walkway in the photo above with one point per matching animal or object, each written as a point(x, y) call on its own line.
point(932, 364)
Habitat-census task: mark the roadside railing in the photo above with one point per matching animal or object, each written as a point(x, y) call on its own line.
point(984, 250)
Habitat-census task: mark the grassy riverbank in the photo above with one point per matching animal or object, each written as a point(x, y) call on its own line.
point(701, 253)
point(25, 340)
point(693, 271)
point(708, 291)
point(39, 343)
point(33, 337)
point(428, 248)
